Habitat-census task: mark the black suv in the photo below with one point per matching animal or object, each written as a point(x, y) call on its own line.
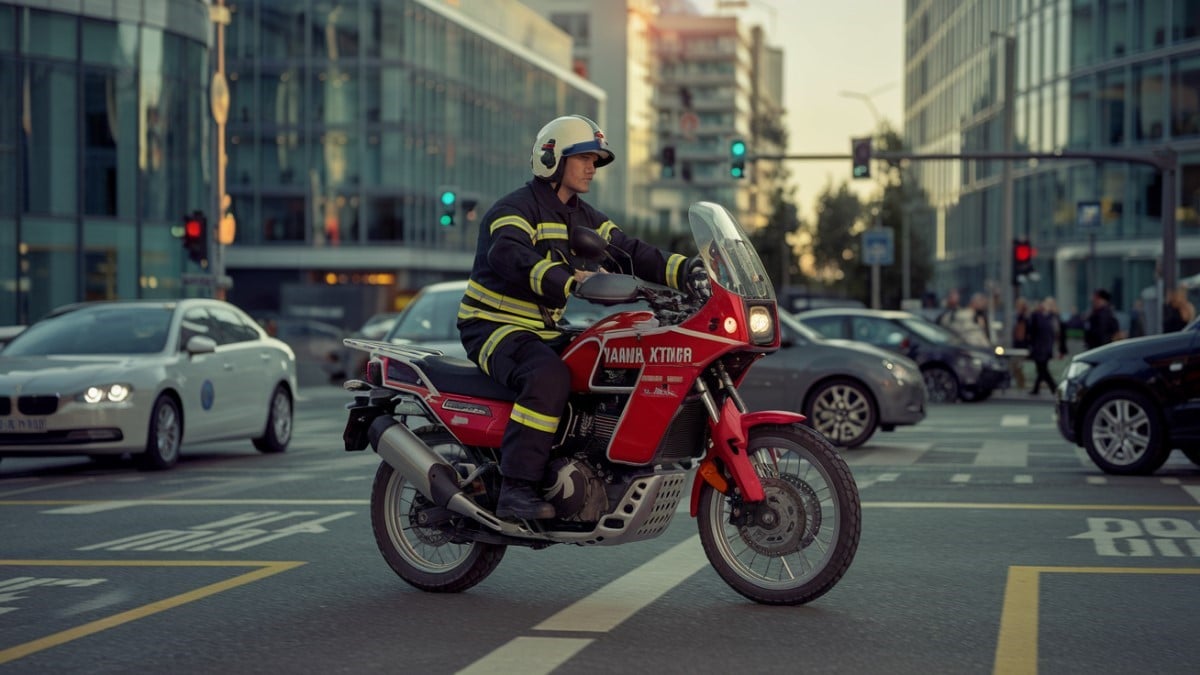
point(1129, 403)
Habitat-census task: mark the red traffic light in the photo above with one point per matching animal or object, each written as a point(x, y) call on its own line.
point(192, 229)
point(1023, 251)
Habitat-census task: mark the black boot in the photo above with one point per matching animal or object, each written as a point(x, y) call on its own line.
point(518, 500)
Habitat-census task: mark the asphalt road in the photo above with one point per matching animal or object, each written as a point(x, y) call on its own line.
point(989, 545)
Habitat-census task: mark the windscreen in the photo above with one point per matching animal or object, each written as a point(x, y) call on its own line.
point(106, 329)
point(727, 252)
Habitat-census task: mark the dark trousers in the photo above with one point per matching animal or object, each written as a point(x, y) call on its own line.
point(1043, 375)
point(526, 364)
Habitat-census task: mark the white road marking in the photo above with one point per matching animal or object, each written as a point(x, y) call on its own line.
point(98, 507)
point(961, 478)
point(1003, 453)
point(1193, 490)
point(892, 454)
point(47, 486)
point(1023, 479)
point(1169, 481)
point(1014, 420)
point(1097, 480)
point(600, 612)
point(887, 477)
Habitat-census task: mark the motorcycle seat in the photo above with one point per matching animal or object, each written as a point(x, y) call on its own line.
point(452, 375)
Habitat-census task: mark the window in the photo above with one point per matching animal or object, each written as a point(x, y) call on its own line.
point(1185, 97)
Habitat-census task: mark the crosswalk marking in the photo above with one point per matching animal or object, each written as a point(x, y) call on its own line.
point(1003, 453)
point(892, 455)
point(960, 478)
point(1014, 420)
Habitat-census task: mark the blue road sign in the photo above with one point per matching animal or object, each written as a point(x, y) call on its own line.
point(1087, 216)
point(878, 246)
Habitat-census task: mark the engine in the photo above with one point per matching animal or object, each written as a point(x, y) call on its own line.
point(575, 490)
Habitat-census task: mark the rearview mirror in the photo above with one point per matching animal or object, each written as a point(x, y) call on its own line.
point(587, 243)
point(608, 289)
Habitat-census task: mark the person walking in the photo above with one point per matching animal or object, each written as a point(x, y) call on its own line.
point(1178, 311)
point(1045, 332)
point(1020, 340)
point(1101, 325)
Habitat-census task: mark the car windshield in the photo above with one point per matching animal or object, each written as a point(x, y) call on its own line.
point(108, 329)
point(931, 331)
point(429, 317)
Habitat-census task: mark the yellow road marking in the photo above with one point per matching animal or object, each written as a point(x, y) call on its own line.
point(265, 569)
point(1017, 646)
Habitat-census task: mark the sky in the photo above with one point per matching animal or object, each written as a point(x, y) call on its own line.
point(830, 47)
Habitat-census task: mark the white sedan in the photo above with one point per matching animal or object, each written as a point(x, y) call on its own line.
point(144, 377)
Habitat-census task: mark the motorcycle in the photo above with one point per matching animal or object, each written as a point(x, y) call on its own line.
point(653, 407)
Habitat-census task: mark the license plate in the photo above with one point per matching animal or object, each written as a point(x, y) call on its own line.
point(19, 426)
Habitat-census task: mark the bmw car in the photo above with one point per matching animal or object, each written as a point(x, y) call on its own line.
point(847, 390)
point(1130, 402)
point(104, 379)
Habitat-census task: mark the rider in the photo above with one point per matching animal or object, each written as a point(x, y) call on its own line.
point(524, 270)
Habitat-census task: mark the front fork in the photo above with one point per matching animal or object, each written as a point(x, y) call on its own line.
point(728, 468)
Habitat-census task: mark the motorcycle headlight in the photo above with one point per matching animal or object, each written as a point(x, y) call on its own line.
point(109, 393)
point(1076, 370)
point(762, 325)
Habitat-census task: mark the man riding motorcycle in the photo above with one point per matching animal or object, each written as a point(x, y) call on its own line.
point(523, 273)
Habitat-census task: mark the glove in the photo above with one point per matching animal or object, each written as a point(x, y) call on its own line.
point(695, 277)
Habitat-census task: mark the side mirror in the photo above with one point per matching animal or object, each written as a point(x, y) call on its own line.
point(200, 344)
point(587, 244)
point(608, 289)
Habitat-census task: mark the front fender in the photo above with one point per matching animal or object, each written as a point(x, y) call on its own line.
point(729, 435)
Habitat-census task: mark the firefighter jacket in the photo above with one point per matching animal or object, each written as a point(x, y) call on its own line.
point(523, 269)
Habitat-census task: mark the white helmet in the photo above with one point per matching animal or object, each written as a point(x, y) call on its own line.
point(566, 136)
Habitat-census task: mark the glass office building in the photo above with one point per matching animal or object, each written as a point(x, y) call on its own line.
point(104, 144)
point(1090, 75)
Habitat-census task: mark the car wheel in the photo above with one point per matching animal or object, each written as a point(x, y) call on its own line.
point(165, 435)
point(1123, 434)
point(279, 423)
point(844, 412)
point(941, 384)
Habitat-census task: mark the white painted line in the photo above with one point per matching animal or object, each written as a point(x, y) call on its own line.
point(1014, 420)
point(887, 477)
point(1003, 453)
point(1192, 490)
point(98, 507)
point(1083, 458)
point(1023, 479)
point(891, 455)
point(1170, 481)
point(47, 486)
point(528, 656)
point(1097, 480)
point(606, 608)
point(960, 478)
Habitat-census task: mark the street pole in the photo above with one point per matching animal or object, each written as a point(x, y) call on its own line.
point(1008, 282)
point(220, 15)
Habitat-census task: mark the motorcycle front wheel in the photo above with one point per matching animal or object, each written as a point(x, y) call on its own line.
point(425, 557)
point(798, 543)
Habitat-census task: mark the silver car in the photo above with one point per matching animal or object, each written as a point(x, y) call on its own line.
point(144, 377)
point(847, 390)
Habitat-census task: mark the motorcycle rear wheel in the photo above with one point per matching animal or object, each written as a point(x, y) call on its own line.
point(804, 541)
point(425, 557)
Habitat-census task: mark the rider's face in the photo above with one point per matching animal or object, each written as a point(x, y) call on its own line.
point(577, 174)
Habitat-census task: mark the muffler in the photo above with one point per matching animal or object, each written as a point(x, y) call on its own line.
point(429, 473)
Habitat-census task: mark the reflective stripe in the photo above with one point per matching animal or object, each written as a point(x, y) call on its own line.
point(538, 273)
point(533, 420)
point(547, 231)
point(516, 221)
point(504, 303)
point(485, 352)
point(606, 228)
point(673, 265)
point(468, 312)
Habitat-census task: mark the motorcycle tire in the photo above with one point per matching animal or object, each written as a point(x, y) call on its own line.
point(425, 557)
point(805, 534)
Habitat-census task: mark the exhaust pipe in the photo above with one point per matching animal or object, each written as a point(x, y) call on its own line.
point(429, 473)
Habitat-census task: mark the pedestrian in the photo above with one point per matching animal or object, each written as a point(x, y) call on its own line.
point(523, 273)
point(1045, 332)
point(970, 322)
point(1020, 340)
point(1137, 320)
point(1101, 325)
point(1178, 310)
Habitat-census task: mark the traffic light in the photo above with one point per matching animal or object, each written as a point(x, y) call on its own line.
point(1023, 254)
point(449, 201)
point(195, 237)
point(737, 158)
point(860, 151)
point(667, 156)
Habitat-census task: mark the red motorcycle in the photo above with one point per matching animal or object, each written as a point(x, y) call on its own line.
point(654, 406)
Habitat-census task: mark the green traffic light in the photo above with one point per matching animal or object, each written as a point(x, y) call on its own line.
point(446, 220)
point(738, 148)
point(736, 172)
point(448, 199)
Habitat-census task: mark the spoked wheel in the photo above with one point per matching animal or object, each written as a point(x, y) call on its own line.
point(941, 384)
point(425, 556)
point(794, 546)
point(844, 412)
point(1123, 435)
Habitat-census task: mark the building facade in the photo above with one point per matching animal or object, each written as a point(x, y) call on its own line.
point(1089, 75)
point(104, 143)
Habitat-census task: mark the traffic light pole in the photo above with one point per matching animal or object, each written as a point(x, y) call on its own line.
point(1164, 158)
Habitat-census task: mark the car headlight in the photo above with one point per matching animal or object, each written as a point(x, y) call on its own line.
point(762, 328)
point(900, 372)
point(111, 393)
point(1076, 369)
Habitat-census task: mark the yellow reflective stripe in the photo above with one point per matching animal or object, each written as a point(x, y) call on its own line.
point(533, 420)
point(606, 228)
point(469, 312)
point(538, 273)
point(503, 303)
point(550, 231)
point(516, 221)
point(485, 352)
point(673, 264)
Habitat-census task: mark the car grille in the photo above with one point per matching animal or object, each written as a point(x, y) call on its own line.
point(38, 405)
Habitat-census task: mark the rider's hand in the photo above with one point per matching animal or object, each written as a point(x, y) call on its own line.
point(696, 278)
point(581, 275)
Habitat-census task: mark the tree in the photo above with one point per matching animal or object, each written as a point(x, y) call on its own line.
point(774, 241)
point(903, 206)
point(834, 238)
